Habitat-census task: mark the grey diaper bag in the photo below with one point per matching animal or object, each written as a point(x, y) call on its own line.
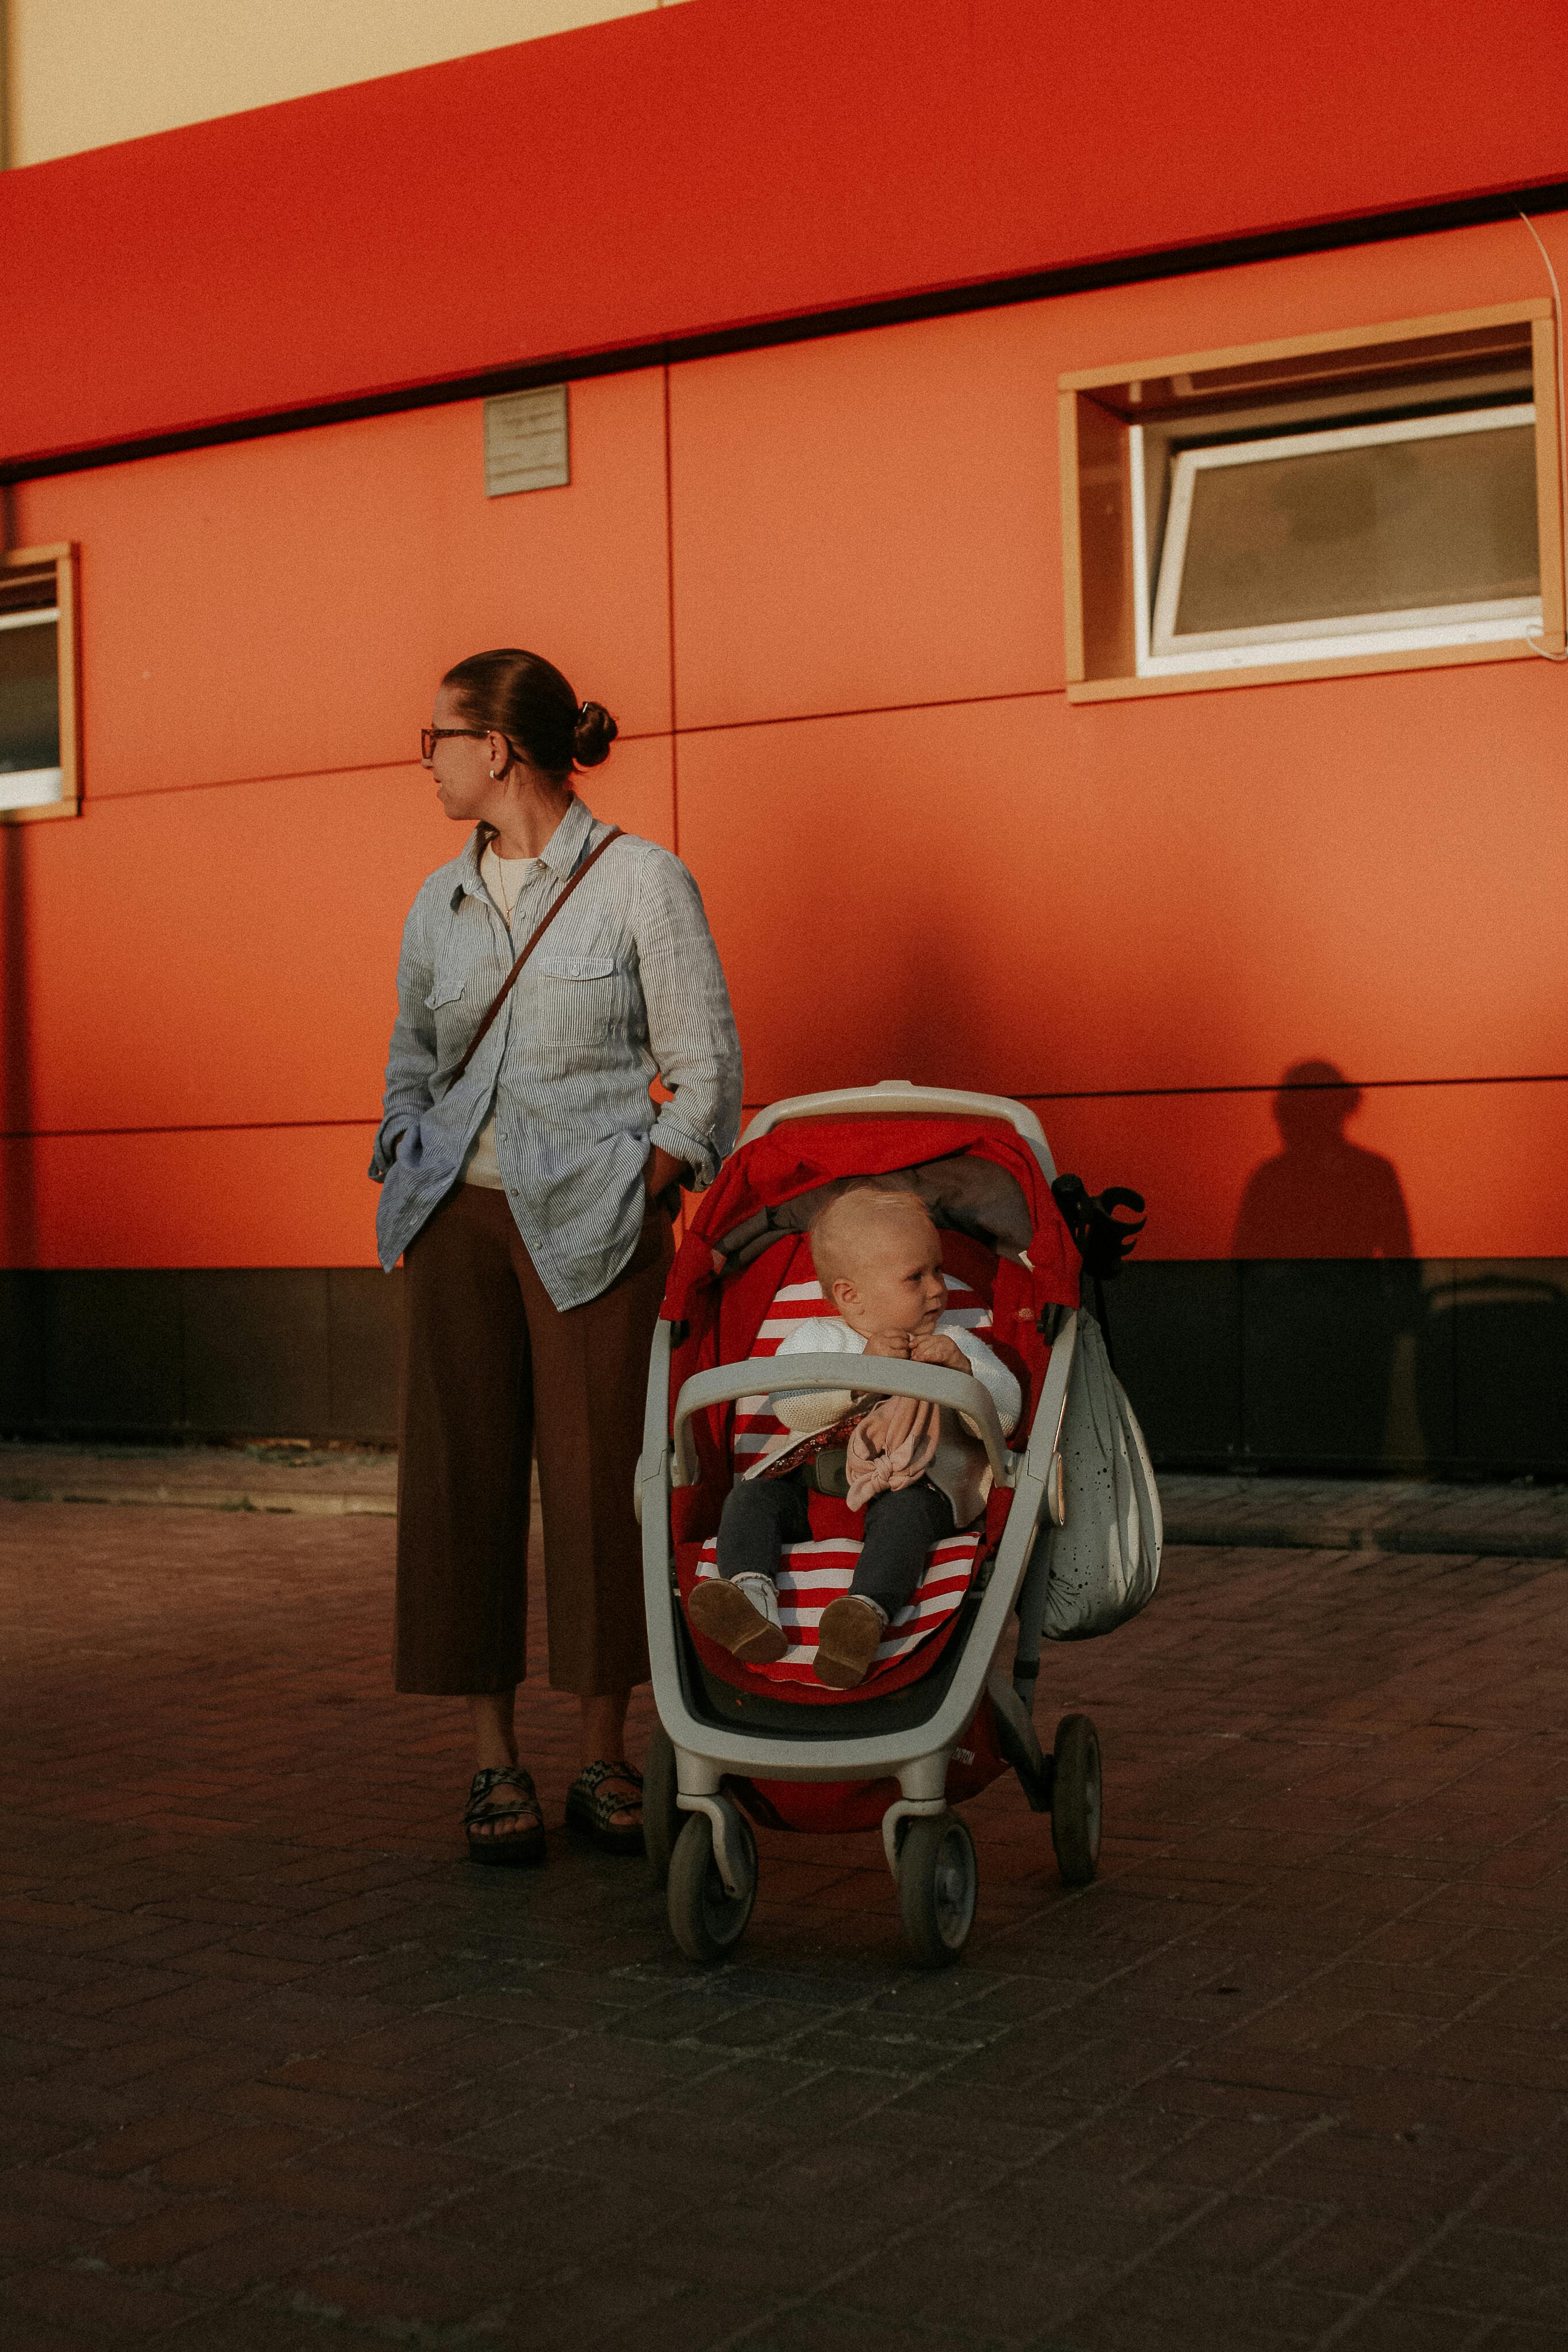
point(1102, 1565)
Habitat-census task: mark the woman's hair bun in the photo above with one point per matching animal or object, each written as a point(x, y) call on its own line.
point(594, 732)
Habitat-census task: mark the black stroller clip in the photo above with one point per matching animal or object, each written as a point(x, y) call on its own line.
point(1102, 1238)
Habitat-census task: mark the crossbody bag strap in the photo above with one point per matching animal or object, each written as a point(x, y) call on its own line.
point(504, 990)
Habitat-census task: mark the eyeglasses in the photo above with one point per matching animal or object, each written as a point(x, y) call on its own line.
point(430, 736)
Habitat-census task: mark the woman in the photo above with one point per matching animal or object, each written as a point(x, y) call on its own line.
point(528, 1184)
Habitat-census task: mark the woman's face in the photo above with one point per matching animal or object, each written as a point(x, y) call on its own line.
point(461, 764)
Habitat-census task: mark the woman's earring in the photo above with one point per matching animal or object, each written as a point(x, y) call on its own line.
point(495, 775)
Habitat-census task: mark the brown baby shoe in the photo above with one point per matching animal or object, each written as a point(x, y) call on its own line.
point(722, 1612)
point(850, 1634)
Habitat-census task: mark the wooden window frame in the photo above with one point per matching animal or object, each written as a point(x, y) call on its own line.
point(63, 559)
point(1097, 513)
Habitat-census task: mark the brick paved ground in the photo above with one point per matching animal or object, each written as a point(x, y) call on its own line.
point(283, 2071)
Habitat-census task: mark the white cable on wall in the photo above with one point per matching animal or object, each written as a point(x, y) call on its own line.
point(1545, 653)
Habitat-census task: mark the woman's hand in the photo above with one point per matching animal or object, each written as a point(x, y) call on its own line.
point(660, 1174)
point(938, 1349)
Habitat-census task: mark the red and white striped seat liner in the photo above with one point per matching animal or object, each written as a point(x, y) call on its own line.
point(813, 1574)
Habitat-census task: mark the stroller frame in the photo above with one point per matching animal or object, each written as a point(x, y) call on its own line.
point(1014, 1579)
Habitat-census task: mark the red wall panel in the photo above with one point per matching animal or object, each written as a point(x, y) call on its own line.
point(726, 162)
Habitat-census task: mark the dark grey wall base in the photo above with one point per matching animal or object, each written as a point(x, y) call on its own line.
point(1447, 1367)
point(295, 1351)
point(1454, 1368)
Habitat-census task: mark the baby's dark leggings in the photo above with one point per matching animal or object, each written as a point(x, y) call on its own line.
point(762, 1513)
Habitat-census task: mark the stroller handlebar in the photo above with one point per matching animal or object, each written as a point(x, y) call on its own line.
point(759, 1375)
point(900, 1096)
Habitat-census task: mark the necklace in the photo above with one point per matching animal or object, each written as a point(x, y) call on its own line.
point(509, 906)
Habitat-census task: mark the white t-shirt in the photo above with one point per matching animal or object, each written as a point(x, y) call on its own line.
point(505, 879)
point(829, 1335)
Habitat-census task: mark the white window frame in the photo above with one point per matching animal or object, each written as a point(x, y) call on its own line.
point(1161, 653)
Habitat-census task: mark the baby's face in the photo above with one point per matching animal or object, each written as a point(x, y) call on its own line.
point(895, 1282)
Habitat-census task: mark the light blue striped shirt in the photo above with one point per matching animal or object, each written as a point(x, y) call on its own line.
point(625, 985)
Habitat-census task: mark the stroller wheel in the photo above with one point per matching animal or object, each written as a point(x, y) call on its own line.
point(1074, 1800)
point(938, 1881)
point(706, 1921)
point(662, 1819)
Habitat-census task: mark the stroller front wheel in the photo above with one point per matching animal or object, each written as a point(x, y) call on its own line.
point(662, 1819)
point(939, 1879)
point(705, 1919)
point(1074, 1800)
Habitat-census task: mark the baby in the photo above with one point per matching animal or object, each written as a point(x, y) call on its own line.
point(918, 1473)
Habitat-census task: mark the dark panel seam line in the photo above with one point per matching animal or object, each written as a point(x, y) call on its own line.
point(669, 618)
point(950, 302)
point(653, 735)
point(1103, 1094)
point(216, 1127)
point(305, 775)
point(1314, 1086)
point(1308, 1086)
point(875, 710)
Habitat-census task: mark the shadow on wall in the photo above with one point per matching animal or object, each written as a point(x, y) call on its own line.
point(1350, 1352)
point(1335, 1306)
point(1321, 1196)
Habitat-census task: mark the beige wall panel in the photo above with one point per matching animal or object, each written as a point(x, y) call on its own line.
point(84, 73)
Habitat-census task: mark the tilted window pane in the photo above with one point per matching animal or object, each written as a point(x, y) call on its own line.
point(1396, 526)
point(29, 697)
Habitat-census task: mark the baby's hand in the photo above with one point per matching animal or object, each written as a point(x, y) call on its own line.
point(939, 1349)
point(889, 1343)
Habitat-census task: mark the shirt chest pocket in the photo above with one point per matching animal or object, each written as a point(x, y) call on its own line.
point(577, 967)
point(577, 1003)
point(445, 987)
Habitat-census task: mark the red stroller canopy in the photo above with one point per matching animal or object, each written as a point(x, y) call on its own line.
point(803, 1153)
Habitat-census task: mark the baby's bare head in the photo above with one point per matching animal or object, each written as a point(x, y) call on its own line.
point(878, 1260)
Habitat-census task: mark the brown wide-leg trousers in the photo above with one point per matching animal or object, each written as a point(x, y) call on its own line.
point(492, 1370)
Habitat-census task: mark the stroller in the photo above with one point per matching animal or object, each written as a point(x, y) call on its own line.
point(943, 1710)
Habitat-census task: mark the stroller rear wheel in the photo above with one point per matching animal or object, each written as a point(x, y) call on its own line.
point(1074, 1800)
point(662, 1819)
point(705, 1919)
point(938, 1881)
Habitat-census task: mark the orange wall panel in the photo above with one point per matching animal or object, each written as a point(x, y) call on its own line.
point(282, 1196)
point(1007, 892)
point(1195, 890)
point(1483, 1170)
point(1307, 294)
point(867, 521)
point(874, 519)
point(202, 956)
point(284, 606)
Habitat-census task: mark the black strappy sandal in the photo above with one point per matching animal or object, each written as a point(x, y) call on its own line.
point(592, 1809)
point(507, 1848)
